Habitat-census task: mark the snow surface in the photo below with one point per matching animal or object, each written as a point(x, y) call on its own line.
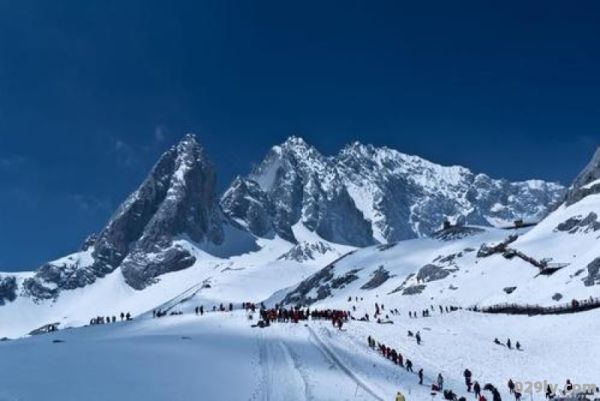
point(220, 357)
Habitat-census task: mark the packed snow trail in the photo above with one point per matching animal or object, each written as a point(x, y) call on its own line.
point(296, 365)
point(330, 353)
point(281, 379)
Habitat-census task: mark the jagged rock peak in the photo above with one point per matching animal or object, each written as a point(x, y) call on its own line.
point(399, 196)
point(587, 182)
point(297, 148)
point(591, 172)
point(177, 199)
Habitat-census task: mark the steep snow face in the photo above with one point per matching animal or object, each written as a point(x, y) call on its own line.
point(366, 195)
point(178, 198)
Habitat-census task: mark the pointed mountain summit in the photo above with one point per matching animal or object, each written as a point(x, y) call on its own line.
point(177, 200)
point(295, 184)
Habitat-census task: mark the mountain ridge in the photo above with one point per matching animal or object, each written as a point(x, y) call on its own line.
point(400, 196)
point(361, 196)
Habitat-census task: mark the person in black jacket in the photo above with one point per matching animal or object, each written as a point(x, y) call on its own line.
point(467, 373)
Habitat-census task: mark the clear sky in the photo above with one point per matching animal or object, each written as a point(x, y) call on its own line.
point(91, 92)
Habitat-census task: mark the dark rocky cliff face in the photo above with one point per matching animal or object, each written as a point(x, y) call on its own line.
point(177, 199)
point(8, 289)
point(587, 182)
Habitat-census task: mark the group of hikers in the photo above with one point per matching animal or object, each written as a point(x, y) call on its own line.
point(427, 312)
point(417, 336)
point(437, 386)
point(109, 319)
point(198, 310)
point(381, 319)
point(508, 344)
point(394, 356)
point(294, 315)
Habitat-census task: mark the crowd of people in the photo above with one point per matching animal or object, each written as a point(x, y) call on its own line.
point(109, 319)
point(294, 315)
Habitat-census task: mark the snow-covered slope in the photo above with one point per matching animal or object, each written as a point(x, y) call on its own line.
point(249, 277)
point(219, 357)
point(367, 195)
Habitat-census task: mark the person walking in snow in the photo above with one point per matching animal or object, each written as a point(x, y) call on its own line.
point(440, 381)
point(467, 373)
point(477, 389)
point(518, 346)
point(122, 316)
point(508, 344)
point(418, 337)
point(400, 397)
point(568, 386)
point(409, 365)
point(420, 376)
point(511, 386)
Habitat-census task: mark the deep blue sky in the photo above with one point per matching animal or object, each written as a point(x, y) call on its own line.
point(91, 92)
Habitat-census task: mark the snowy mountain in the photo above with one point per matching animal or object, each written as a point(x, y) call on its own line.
point(288, 233)
point(297, 210)
point(366, 195)
point(550, 264)
point(177, 200)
